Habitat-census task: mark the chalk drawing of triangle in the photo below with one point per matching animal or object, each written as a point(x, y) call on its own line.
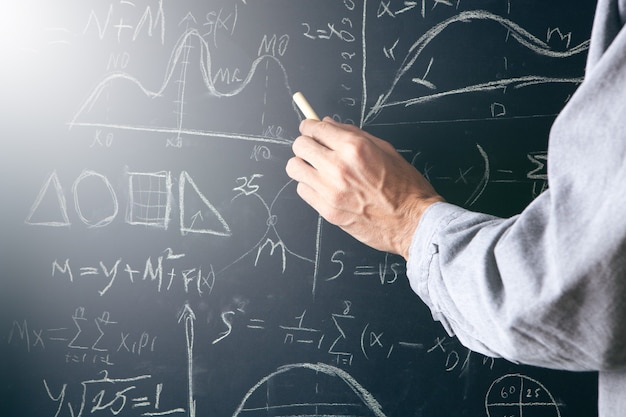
point(50, 207)
point(203, 217)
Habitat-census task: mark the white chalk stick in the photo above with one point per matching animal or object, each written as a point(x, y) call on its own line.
point(304, 106)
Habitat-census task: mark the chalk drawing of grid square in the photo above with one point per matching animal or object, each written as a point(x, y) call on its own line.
point(150, 199)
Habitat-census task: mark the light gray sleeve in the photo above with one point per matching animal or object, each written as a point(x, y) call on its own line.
point(505, 289)
point(546, 287)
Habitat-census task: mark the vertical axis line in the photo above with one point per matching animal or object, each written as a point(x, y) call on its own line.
point(364, 65)
point(318, 244)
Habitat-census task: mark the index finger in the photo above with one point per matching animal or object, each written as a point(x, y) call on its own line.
point(323, 132)
point(349, 128)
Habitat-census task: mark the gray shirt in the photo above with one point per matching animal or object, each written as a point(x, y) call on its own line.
point(548, 287)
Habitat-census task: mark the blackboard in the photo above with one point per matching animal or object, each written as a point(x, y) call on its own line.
point(155, 258)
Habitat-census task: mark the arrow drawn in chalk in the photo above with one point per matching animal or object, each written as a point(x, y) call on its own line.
point(195, 217)
point(188, 316)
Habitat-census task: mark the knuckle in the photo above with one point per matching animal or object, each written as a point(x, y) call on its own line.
point(290, 167)
point(354, 146)
point(341, 170)
point(321, 129)
point(297, 144)
point(300, 190)
point(387, 146)
point(339, 196)
point(332, 216)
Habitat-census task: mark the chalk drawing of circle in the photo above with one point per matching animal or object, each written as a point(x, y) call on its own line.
point(307, 389)
point(517, 395)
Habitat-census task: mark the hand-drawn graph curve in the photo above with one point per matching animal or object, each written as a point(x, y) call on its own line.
point(408, 88)
point(278, 226)
point(274, 395)
point(121, 101)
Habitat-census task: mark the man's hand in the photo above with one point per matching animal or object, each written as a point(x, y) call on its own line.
point(360, 183)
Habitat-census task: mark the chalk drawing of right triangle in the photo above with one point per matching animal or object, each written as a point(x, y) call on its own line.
point(205, 219)
point(50, 207)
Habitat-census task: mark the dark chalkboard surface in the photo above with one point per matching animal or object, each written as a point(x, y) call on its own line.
point(155, 258)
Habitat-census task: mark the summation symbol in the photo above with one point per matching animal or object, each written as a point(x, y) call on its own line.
point(516, 395)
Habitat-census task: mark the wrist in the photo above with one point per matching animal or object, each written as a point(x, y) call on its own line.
point(414, 216)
